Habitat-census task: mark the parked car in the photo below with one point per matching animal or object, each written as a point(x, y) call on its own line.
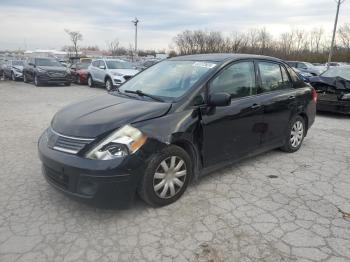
point(333, 87)
point(305, 67)
point(46, 71)
point(2, 65)
point(305, 76)
point(13, 69)
point(110, 72)
point(79, 73)
point(147, 64)
point(177, 120)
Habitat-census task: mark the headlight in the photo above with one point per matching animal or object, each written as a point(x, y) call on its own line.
point(41, 70)
point(116, 74)
point(122, 142)
point(345, 97)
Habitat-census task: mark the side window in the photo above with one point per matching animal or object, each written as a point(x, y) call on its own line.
point(271, 76)
point(238, 80)
point(95, 63)
point(285, 77)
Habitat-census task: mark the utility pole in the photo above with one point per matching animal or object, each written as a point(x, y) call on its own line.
point(135, 21)
point(339, 2)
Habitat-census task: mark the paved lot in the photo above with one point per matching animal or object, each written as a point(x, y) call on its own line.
point(237, 214)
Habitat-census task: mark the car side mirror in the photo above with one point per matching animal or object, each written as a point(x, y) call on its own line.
point(219, 99)
point(102, 67)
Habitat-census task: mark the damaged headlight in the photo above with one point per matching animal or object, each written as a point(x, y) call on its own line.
point(345, 97)
point(122, 142)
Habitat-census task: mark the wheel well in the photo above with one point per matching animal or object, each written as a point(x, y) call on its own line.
point(191, 151)
point(107, 77)
point(303, 115)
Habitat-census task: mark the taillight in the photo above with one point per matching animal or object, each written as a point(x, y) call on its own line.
point(314, 95)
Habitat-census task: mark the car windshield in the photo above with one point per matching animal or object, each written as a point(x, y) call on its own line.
point(343, 72)
point(168, 79)
point(47, 62)
point(17, 63)
point(114, 64)
point(83, 66)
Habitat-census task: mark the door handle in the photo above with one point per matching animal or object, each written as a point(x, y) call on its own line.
point(291, 97)
point(255, 106)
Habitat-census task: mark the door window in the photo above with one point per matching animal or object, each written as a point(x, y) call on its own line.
point(271, 75)
point(96, 63)
point(238, 80)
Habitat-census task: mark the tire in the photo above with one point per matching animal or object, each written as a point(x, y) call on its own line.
point(295, 135)
point(67, 83)
point(109, 84)
point(157, 180)
point(25, 80)
point(90, 81)
point(36, 81)
point(13, 77)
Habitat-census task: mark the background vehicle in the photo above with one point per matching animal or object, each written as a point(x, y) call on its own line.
point(46, 71)
point(147, 64)
point(305, 67)
point(110, 72)
point(80, 73)
point(305, 76)
point(13, 69)
point(179, 119)
point(333, 88)
point(2, 65)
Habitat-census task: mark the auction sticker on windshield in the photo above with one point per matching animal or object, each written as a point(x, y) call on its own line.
point(204, 64)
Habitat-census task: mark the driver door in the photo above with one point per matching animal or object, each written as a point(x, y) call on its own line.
point(231, 132)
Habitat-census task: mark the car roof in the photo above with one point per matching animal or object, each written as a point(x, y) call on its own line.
point(221, 57)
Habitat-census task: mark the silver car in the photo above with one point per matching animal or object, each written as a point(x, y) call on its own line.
point(13, 69)
point(110, 72)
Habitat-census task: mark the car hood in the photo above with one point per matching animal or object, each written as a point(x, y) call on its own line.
point(127, 72)
point(96, 116)
point(330, 84)
point(54, 68)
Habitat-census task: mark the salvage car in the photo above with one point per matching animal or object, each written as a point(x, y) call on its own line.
point(110, 72)
point(333, 88)
point(79, 73)
point(13, 69)
point(173, 122)
point(46, 71)
point(305, 67)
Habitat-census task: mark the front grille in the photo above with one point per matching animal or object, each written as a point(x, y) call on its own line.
point(127, 77)
point(66, 144)
point(57, 178)
point(56, 74)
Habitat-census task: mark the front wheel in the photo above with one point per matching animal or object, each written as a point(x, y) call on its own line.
point(36, 81)
point(25, 80)
point(295, 135)
point(166, 177)
point(108, 84)
point(90, 81)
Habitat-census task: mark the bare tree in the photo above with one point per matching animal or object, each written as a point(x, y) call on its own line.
point(75, 37)
point(344, 36)
point(113, 46)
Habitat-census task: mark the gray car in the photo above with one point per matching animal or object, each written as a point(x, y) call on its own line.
point(306, 67)
point(13, 69)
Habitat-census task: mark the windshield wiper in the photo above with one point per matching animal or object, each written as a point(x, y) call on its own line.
point(140, 93)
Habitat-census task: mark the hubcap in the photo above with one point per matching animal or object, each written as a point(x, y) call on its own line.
point(297, 134)
point(108, 85)
point(170, 177)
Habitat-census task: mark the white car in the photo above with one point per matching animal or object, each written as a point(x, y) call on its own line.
point(110, 72)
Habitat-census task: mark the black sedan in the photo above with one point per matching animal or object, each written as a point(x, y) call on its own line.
point(333, 88)
point(173, 122)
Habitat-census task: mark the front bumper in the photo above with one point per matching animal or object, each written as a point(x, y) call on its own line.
point(103, 183)
point(18, 74)
point(45, 78)
point(330, 103)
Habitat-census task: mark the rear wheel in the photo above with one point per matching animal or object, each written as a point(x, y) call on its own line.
point(166, 177)
point(90, 81)
point(108, 84)
point(295, 135)
point(67, 84)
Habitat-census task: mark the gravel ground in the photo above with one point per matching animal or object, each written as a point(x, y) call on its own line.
point(299, 213)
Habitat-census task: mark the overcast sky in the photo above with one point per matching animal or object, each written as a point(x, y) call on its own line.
point(40, 24)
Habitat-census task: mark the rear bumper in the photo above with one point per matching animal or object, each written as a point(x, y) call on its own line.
point(110, 183)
